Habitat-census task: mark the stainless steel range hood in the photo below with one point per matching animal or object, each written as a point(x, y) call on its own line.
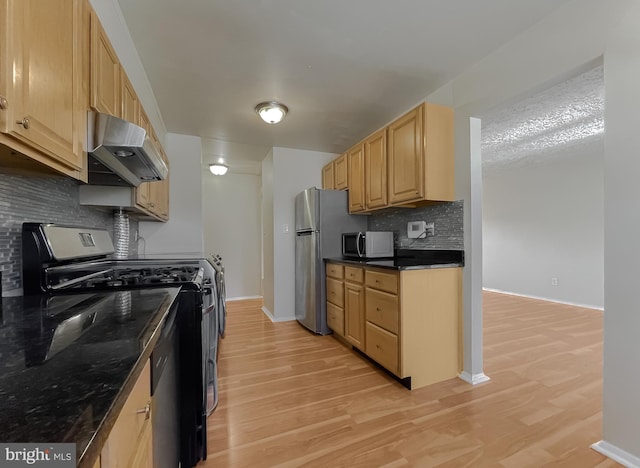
point(121, 153)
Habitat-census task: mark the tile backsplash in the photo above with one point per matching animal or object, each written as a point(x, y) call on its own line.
point(41, 199)
point(446, 216)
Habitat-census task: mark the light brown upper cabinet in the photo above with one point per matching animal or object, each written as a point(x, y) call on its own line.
point(143, 190)
point(406, 162)
point(335, 174)
point(375, 170)
point(159, 191)
point(130, 103)
point(105, 72)
point(42, 97)
point(355, 159)
point(327, 176)
point(340, 173)
point(420, 152)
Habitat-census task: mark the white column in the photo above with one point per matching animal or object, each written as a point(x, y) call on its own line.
point(469, 188)
point(621, 391)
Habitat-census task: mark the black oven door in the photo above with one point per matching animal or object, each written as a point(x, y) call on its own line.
point(193, 420)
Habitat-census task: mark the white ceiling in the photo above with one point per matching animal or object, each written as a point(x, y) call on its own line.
point(566, 116)
point(344, 67)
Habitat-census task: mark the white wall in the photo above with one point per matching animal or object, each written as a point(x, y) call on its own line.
point(293, 171)
point(184, 233)
point(621, 233)
point(577, 33)
point(546, 220)
point(267, 234)
point(231, 205)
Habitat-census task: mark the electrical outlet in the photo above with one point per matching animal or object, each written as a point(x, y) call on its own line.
point(554, 281)
point(431, 229)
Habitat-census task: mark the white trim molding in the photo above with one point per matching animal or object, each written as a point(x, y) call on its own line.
point(540, 298)
point(268, 313)
point(616, 454)
point(243, 298)
point(474, 379)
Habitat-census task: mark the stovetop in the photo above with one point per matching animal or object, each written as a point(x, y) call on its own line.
point(154, 276)
point(123, 274)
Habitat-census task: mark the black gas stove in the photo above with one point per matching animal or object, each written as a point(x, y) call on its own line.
point(69, 260)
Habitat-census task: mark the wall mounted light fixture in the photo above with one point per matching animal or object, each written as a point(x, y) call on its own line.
point(218, 168)
point(271, 112)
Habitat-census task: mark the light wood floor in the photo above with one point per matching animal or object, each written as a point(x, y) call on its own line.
point(289, 398)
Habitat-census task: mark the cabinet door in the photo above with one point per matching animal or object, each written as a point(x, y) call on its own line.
point(406, 157)
point(439, 155)
point(105, 72)
point(356, 178)
point(327, 176)
point(335, 318)
point(375, 170)
point(129, 440)
point(341, 173)
point(43, 77)
point(354, 314)
point(130, 104)
point(159, 194)
point(143, 190)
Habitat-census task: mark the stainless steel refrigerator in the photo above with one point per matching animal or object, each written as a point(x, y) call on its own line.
point(321, 218)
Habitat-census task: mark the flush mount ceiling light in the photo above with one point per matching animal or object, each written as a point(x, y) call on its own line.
point(271, 112)
point(218, 168)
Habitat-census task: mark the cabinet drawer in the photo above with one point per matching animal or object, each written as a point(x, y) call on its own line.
point(335, 318)
point(353, 274)
point(335, 271)
point(335, 292)
point(382, 309)
point(384, 281)
point(382, 347)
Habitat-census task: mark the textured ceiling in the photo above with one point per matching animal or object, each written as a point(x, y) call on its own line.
point(344, 68)
point(568, 115)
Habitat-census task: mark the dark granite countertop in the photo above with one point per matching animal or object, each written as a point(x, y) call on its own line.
point(69, 362)
point(408, 259)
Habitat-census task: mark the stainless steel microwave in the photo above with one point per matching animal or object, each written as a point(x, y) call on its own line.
point(367, 244)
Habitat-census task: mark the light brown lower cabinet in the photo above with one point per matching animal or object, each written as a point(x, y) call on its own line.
point(335, 318)
point(354, 317)
point(130, 442)
point(408, 321)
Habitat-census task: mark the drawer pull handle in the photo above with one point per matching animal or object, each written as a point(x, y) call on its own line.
point(378, 346)
point(24, 122)
point(378, 309)
point(146, 411)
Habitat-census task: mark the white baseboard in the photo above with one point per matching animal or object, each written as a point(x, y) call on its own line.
point(540, 298)
point(268, 313)
point(474, 379)
point(616, 454)
point(242, 298)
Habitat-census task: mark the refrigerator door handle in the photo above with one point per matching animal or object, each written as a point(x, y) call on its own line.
point(358, 237)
